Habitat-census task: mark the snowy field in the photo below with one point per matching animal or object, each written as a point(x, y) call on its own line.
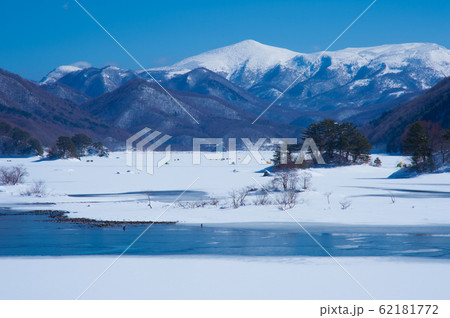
point(375, 200)
point(418, 201)
point(222, 278)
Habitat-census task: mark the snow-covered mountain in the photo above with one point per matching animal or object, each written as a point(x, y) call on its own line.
point(352, 84)
point(139, 104)
point(59, 73)
point(244, 62)
point(91, 81)
point(248, 62)
point(432, 107)
point(66, 92)
point(205, 82)
point(46, 116)
point(339, 83)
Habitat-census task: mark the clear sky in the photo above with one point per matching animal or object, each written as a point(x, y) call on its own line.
point(37, 36)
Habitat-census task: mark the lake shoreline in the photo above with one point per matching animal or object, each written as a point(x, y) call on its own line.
point(59, 216)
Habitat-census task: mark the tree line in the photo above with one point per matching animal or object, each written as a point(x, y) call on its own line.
point(75, 147)
point(339, 144)
point(18, 142)
point(428, 145)
point(15, 141)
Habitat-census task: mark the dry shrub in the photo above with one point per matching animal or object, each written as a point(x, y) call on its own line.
point(37, 189)
point(13, 175)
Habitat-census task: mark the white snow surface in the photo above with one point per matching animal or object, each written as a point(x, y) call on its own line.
point(222, 277)
point(196, 277)
point(367, 187)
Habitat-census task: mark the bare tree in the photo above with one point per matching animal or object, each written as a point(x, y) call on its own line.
point(393, 199)
point(183, 204)
point(262, 198)
point(285, 180)
point(13, 175)
point(305, 180)
point(287, 199)
point(149, 200)
point(238, 197)
point(345, 204)
point(38, 189)
point(214, 201)
point(197, 204)
point(328, 195)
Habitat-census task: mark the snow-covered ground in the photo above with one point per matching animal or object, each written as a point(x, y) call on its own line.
point(222, 278)
point(423, 200)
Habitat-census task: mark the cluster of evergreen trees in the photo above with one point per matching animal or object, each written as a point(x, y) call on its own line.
point(16, 141)
point(339, 143)
point(75, 147)
point(427, 151)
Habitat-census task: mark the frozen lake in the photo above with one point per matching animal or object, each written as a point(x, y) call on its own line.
point(27, 234)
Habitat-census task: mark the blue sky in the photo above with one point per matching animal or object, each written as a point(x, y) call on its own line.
point(37, 36)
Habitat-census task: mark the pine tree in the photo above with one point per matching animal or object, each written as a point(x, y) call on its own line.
point(338, 141)
point(36, 146)
point(82, 142)
point(377, 162)
point(283, 159)
point(417, 144)
point(65, 147)
point(360, 147)
point(445, 146)
point(100, 150)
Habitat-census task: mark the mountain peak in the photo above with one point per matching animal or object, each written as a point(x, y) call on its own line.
point(249, 44)
point(111, 67)
point(252, 55)
point(59, 73)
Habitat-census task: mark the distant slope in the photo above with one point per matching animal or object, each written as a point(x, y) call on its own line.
point(139, 104)
point(97, 81)
point(66, 92)
point(205, 82)
point(46, 116)
point(433, 105)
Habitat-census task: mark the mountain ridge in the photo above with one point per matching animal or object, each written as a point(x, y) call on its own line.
point(29, 106)
point(353, 83)
point(139, 104)
point(432, 106)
